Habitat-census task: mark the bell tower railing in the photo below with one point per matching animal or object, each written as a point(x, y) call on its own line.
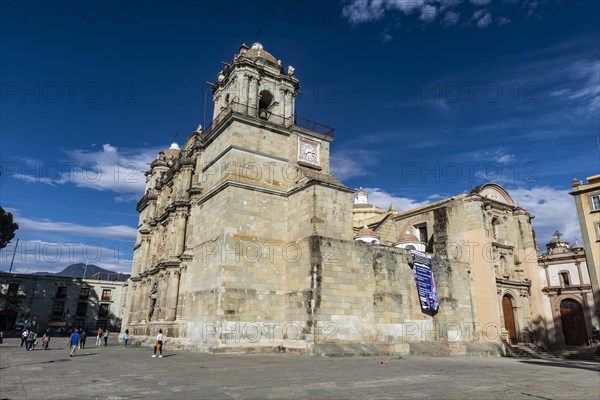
point(265, 115)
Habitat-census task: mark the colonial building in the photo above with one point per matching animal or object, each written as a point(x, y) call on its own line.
point(587, 202)
point(484, 250)
point(569, 305)
point(246, 242)
point(42, 301)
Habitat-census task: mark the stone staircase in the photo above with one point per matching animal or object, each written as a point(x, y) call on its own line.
point(528, 350)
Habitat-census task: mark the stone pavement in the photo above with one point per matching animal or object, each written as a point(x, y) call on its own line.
point(115, 373)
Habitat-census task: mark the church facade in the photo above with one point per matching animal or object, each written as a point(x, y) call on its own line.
point(568, 299)
point(247, 243)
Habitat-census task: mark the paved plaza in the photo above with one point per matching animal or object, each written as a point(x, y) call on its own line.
point(115, 373)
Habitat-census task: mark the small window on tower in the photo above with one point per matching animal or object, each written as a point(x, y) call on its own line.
point(565, 279)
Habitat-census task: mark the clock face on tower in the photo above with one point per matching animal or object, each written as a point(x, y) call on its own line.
point(308, 151)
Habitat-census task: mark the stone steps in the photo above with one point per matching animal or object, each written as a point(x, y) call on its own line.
point(536, 352)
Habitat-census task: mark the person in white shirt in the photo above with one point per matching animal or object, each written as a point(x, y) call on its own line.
point(159, 344)
point(24, 336)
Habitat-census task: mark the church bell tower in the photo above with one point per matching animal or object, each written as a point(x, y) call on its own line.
point(255, 83)
point(230, 220)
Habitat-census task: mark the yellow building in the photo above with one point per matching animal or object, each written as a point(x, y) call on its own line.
point(587, 201)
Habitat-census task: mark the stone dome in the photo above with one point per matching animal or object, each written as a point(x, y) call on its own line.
point(577, 246)
point(257, 51)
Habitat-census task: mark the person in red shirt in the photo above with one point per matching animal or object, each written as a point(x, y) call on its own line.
point(99, 337)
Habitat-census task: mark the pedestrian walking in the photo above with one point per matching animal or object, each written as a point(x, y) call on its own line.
point(1, 337)
point(24, 336)
point(31, 337)
point(99, 337)
point(45, 340)
point(159, 344)
point(75, 342)
point(126, 337)
point(106, 337)
point(83, 338)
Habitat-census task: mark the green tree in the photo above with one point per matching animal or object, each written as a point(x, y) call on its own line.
point(7, 228)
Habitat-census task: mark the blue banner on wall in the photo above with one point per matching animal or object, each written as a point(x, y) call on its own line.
point(425, 284)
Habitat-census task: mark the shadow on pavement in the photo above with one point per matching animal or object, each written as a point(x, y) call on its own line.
point(37, 363)
point(577, 365)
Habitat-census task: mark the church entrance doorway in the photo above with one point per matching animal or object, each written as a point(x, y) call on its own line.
point(509, 319)
point(573, 325)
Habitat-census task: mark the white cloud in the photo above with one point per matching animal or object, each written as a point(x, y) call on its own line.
point(480, 13)
point(352, 163)
point(381, 198)
point(451, 18)
point(583, 88)
point(500, 156)
point(482, 18)
point(363, 11)
point(108, 232)
point(385, 37)
point(113, 170)
point(503, 21)
point(428, 13)
point(107, 169)
point(127, 198)
point(554, 209)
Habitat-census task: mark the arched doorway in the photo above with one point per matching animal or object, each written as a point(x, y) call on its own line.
point(509, 319)
point(573, 324)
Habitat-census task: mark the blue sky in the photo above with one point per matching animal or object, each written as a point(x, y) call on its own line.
point(428, 99)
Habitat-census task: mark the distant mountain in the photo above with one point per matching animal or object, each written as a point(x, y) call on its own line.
point(91, 272)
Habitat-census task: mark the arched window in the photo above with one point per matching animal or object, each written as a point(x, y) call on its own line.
point(264, 104)
point(496, 228)
point(565, 278)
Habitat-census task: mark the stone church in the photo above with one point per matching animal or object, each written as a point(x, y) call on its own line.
point(247, 243)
